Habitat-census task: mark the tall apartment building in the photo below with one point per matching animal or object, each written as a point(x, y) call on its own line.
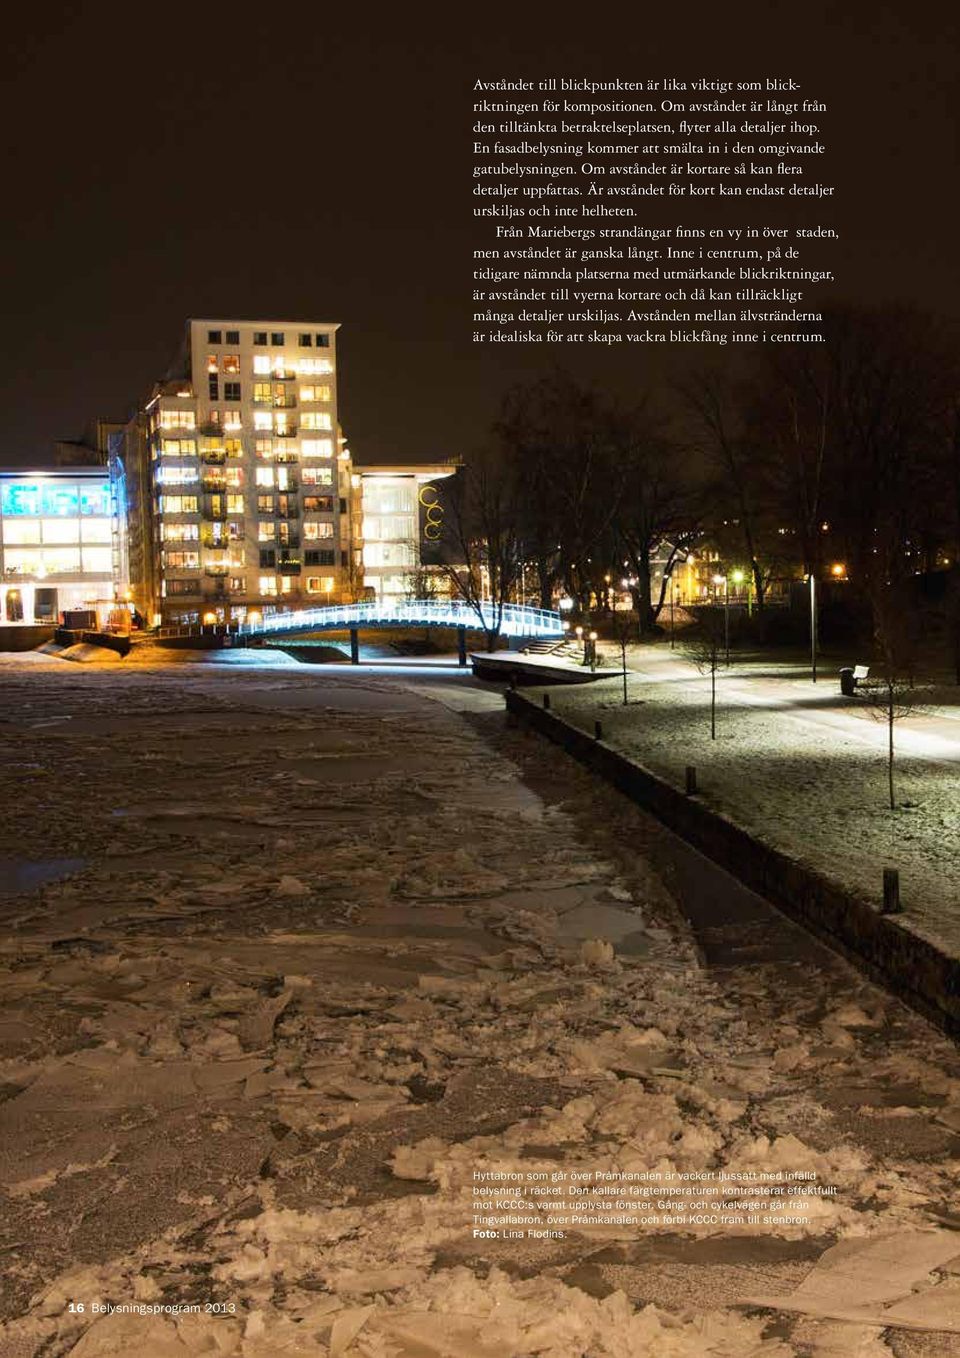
point(236, 480)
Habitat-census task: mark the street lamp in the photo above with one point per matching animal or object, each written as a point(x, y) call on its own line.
point(738, 577)
point(722, 580)
point(579, 635)
point(593, 650)
point(813, 625)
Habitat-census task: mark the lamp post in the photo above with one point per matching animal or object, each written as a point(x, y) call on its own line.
point(738, 578)
point(579, 632)
point(722, 580)
point(813, 626)
point(593, 650)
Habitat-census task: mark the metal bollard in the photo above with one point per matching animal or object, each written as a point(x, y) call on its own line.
point(690, 781)
point(546, 702)
point(597, 731)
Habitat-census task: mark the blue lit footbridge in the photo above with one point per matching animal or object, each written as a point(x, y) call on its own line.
point(517, 621)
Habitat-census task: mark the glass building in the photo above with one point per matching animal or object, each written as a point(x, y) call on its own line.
point(57, 544)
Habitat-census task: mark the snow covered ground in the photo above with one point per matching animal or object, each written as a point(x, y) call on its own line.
point(801, 768)
point(289, 954)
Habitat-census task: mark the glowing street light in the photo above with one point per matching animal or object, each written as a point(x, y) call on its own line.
point(719, 580)
point(812, 579)
point(838, 570)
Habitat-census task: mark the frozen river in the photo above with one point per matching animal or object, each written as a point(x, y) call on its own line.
point(329, 943)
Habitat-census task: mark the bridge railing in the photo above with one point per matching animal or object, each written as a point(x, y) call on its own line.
point(515, 619)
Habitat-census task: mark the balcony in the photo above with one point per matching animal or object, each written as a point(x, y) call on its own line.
point(289, 566)
point(210, 429)
point(213, 481)
point(289, 433)
point(219, 542)
point(288, 458)
point(216, 572)
point(214, 456)
point(283, 376)
point(276, 402)
point(291, 540)
point(213, 509)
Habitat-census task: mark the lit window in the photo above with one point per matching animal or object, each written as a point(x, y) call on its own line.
point(178, 419)
point(233, 447)
point(314, 532)
point(94, 530)
point(66, 560)
point(233, 476)
point(95, 499)
point(182, 561)
point(234, 504)
point(60, 530)
point(317, 447)
point(286, 584)
point(232, 420)
point(266, 530)
point(264, 504)
point(316, 419)
point(231, 363)
point(212, 363)
point(264, 448)
point(264, 476)
point(317, 476)
point(180, 532)
point(21, 532)
point(179, 447)
point(319, 584)
point(268, 584)
point(97, 560)
point(261, 363)
point(263, 393)
point(262, 419)
point(314, 367)
point(174, 475)
point(178, 504)
point(314, 393)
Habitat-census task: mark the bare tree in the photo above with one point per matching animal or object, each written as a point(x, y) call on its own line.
point(723, 415)
point(657, 509)
point(484, 538)
point(705, 647)
point(891, 690)
point(558, 435)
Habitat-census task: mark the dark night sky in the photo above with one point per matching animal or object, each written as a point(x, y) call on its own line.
point(283, 162)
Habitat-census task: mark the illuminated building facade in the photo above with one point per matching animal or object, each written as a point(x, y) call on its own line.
point(401, 521)
point(58, 544)
point(236, 478)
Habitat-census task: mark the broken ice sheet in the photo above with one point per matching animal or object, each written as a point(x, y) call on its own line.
point(883, 1280)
